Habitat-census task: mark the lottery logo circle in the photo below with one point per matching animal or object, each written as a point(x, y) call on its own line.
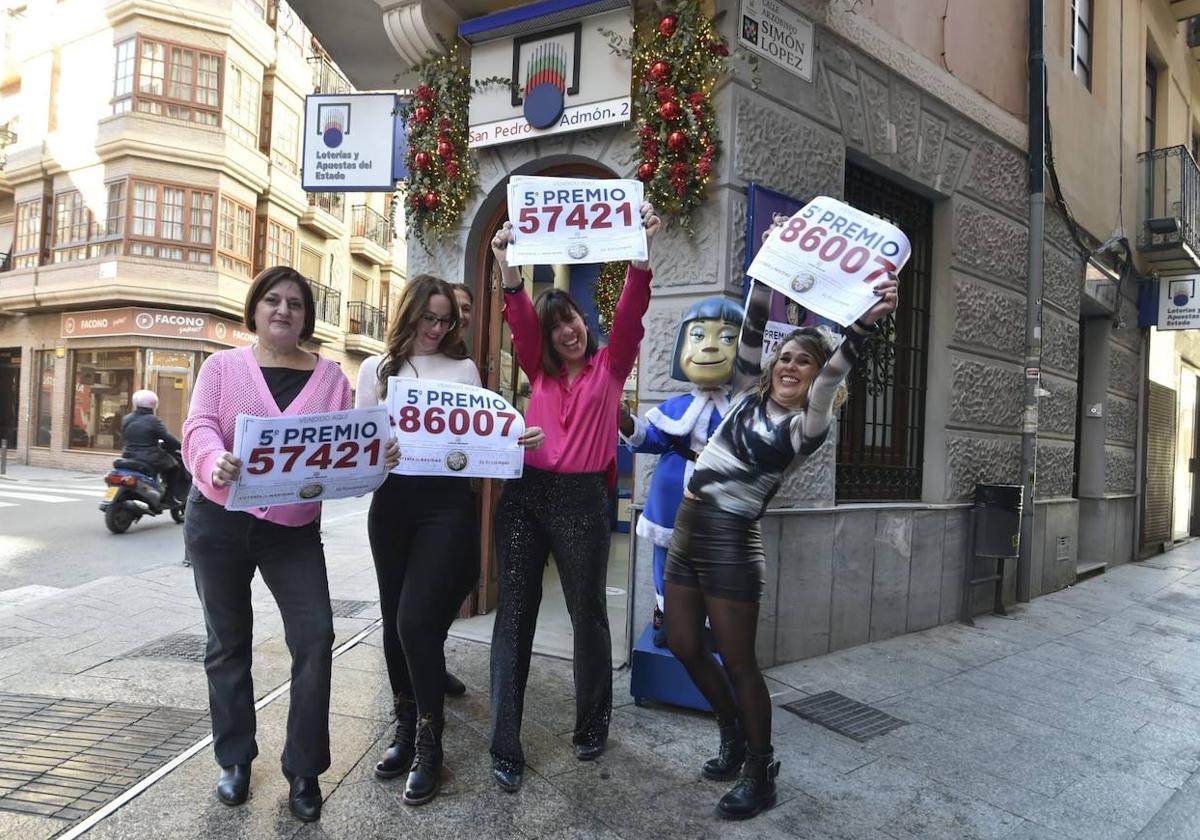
point(311, 491)
point(804, 282)
point(577, 250)
point(456, 460)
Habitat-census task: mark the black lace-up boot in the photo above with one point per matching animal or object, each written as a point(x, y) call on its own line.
point(427, 766)
point(731, 754)
point(398, 757)
point(754, 792)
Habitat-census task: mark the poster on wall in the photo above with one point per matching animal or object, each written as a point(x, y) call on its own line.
point(786, 315)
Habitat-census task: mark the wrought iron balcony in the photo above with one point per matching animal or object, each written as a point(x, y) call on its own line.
point(365, 320)
point(371, 225)
point(326, 78)
point(1169, 212)
point(331, 202)
point(327, 303)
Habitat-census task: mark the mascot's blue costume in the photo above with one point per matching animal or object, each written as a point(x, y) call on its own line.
point(679, 428)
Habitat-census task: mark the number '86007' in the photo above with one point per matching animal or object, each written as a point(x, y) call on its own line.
point(835, 249)
point(458, 421)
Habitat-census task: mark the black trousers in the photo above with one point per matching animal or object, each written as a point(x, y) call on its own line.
point(226, 548)
point(567, 514)
point(424, 537)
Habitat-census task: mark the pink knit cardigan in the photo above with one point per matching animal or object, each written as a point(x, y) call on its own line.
point(231, 383)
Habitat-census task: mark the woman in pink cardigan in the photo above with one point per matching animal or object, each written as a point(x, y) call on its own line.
point(560, 503)
point(273, 378)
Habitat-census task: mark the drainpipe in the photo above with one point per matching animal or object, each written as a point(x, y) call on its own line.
point(1033, 297)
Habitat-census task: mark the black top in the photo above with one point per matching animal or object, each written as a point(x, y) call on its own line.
point(285, 384)
point(142, 431)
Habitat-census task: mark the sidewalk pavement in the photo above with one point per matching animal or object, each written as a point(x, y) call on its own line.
point(1075, 718)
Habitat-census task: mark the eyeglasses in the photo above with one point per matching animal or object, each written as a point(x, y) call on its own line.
point(431, 320)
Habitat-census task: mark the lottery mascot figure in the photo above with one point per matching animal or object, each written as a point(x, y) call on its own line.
point(780, 414)
point(678, 429)
point(559, 504)
point(424, 537)
point(273, 378)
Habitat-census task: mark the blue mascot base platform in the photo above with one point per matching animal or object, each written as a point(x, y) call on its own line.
point(657, 675)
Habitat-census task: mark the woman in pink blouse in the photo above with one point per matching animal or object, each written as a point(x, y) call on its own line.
point(560, 503)
point(273, 378)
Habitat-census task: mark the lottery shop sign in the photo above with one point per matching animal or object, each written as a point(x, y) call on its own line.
point(309, 458)
point(829, 256)
point(575, 220)
point(445, 428)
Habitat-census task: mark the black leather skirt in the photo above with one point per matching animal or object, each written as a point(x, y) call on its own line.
point(717, 552)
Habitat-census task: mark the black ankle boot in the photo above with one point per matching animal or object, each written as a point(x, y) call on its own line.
point(304, 797)
point(427, 766)
point(731, 755)
point(233, 785)
point(398, 757)
point(454, 686)
point(754, 792)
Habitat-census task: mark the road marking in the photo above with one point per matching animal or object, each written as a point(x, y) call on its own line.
point(8, 504)
point(78, 491)
point(116, 804)
point(34, 497)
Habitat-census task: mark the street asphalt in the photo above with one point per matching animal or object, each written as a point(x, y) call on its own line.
point(1075, 718)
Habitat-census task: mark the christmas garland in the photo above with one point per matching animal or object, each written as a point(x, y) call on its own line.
point(608, 290)
point(441, 170)
point(676, 65)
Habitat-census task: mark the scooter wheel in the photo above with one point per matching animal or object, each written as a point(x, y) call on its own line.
point(118, 518)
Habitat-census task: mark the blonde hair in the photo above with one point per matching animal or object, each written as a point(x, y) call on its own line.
point(818, 342)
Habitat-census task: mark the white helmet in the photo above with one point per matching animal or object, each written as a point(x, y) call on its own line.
point(145, 399)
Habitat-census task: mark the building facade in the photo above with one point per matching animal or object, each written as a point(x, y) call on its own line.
point(154, 172)
point(915, 111)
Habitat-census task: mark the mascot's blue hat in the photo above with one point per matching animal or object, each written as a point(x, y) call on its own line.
point(730, 312)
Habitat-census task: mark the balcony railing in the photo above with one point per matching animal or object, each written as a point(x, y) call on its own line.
point(327, 303)
point(371, 225)
point(365, 320)
point(326, 78)
point(332, 203)
point(1169, 221)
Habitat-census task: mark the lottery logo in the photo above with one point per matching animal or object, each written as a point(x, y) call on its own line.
point(311, 491)
point(577, 250)
point(456, 460)
point(333, 123)
point(804, 282)
point(545, 84)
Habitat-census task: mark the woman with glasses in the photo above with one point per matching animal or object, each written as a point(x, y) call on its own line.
point(423, 538)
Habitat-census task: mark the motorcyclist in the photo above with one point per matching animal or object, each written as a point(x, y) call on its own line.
point(147, 440)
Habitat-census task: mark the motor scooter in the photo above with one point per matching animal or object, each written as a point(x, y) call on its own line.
point(135, 490)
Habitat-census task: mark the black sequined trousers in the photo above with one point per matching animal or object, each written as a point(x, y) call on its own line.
point(565, 514)
point(425, 544)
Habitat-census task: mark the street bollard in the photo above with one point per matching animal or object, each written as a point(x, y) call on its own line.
point(3, 456)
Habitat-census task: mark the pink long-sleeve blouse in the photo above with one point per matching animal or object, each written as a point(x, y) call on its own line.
point(580, 417)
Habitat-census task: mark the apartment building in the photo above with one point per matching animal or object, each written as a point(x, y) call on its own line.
point(153, 172)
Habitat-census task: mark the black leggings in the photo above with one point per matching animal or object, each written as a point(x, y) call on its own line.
point(567, 514)
point(734, 622)
point(425, 543)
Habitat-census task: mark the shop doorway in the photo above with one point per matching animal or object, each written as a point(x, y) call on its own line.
point(10, 389)
point(492, 347)
point(169, 374)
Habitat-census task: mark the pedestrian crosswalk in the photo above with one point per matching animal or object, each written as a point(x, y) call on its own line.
point(16, 493)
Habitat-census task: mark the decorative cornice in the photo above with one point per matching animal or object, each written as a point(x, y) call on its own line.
point(417, 28)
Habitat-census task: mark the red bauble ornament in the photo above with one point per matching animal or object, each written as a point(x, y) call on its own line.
point(681, 190)
point(677, 141)
point(664, 92)
point(421, 160)
point(645, 171)
point(666, 26)
point(670, 110)
point(660, 71)
point(431, 201)
point(422, 113)
point(444, 124)
point(710, 150)
point(704, 168)
point(680, 170)
point(415, 201)
point(451, 170)
point(647, 133)
point(425, 93)
point(445, 150)
point(720, 49)
point(696, 98)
